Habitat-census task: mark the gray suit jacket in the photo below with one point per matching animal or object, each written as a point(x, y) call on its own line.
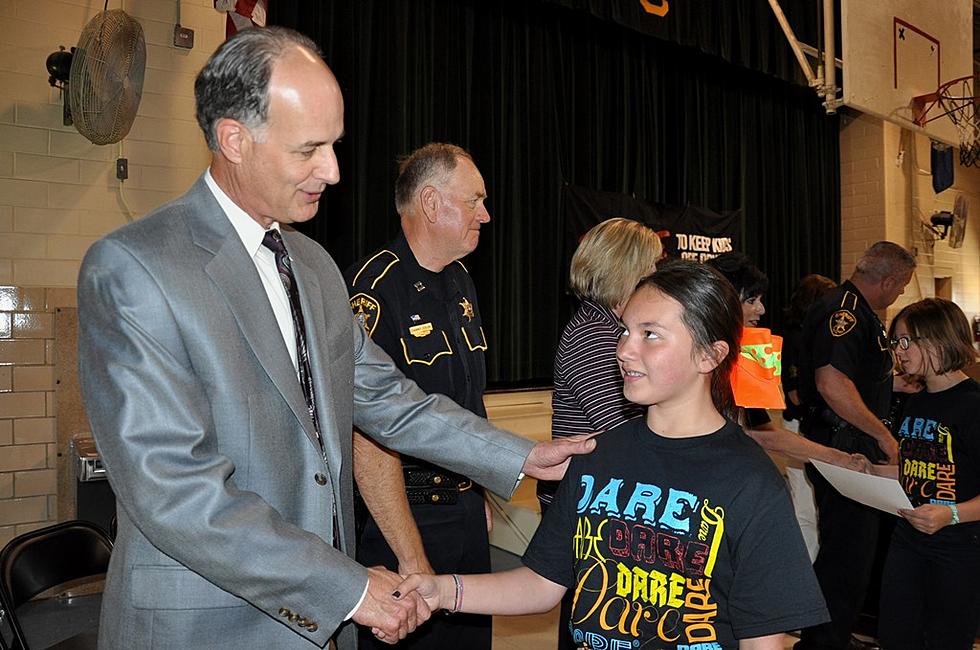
point(224, 500)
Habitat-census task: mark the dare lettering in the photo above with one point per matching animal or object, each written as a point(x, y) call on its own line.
point(677, 507)
point(644, 544)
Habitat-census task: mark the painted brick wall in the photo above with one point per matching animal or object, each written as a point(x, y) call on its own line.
point(862, 187)
point(58, 194)
point(886, 191)
point(936, 258)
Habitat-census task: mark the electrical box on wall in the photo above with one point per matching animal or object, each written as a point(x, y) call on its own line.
point(183, 37)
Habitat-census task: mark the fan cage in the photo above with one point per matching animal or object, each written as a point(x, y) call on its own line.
point(106, 81)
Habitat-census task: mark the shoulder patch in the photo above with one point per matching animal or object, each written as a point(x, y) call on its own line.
point(374, 269)
point(366, 310)
point(842, 321)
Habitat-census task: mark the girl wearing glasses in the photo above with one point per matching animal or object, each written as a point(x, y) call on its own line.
point(930, 593)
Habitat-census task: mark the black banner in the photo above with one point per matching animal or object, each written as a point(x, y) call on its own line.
point(690, 232)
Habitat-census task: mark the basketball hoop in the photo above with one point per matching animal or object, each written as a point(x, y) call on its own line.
point(956, 100)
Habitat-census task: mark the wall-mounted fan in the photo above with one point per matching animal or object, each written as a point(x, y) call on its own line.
point(925, 234)
point(101, 79)
point(952, 224)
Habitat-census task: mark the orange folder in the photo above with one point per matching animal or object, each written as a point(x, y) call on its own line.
point(756, 379)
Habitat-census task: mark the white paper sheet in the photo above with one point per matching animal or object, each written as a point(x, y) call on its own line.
point(875, 491)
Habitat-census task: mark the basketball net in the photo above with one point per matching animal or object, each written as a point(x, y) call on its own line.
point(958, 101)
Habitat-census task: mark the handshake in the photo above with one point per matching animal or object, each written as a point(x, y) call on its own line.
point(394, 606)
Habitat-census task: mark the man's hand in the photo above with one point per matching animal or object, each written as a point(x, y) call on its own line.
point(843, 398)
point(390, 618)
point(928, 518)
point(890, 447)
point(549, 460)
point(856, 462)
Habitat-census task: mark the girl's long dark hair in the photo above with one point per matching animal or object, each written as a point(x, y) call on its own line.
point(712, 312)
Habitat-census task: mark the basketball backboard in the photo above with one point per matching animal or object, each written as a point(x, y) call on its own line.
point(894, 50)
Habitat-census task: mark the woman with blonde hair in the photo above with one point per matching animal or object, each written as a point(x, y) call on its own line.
point(609, 262)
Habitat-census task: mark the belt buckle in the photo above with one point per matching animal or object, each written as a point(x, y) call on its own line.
point(432, 496)
point(432, 487)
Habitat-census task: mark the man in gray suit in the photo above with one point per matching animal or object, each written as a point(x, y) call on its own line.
point(222, 372)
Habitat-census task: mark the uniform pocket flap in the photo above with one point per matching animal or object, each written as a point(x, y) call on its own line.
point(426, 349)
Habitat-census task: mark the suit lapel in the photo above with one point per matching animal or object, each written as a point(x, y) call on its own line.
point(311, 300)
point(234, 274)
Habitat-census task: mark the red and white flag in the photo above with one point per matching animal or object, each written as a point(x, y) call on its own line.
point(242, 14)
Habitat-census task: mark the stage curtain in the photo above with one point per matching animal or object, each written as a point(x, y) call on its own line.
point(542, 95)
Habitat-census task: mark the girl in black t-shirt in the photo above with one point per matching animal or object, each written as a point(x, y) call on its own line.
point(930, 592)
point(676, 531)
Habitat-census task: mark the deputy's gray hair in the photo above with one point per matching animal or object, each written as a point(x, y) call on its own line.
point(234, 83)
point(422, 166)
point(884, 259)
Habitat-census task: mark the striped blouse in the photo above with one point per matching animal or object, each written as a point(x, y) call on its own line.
point(588, 393)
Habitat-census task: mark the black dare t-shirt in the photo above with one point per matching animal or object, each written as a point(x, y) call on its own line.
point(939, 445)
point(669, 543)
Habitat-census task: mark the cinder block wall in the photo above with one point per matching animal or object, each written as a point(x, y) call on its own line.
point(886, 191)
point(936, 259)
point(862, 187)
point(59, 193)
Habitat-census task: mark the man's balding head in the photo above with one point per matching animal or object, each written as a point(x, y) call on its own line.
point(234, 82)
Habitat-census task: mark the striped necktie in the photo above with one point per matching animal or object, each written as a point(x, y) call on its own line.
point(273, 241)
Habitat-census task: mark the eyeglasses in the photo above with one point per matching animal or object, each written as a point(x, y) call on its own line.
point(904, 341)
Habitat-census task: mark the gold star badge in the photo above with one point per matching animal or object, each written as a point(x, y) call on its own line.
point(842, 322)
point(467, 309)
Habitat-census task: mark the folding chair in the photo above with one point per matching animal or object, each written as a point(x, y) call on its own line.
point(42, 559)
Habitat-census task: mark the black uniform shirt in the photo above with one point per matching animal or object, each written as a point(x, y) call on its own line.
point(429, 323)
point(843, 331)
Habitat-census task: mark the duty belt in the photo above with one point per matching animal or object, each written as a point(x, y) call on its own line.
point(433, 487)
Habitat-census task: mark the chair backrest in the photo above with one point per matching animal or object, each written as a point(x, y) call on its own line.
point(6, 629)
point(45, 558)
